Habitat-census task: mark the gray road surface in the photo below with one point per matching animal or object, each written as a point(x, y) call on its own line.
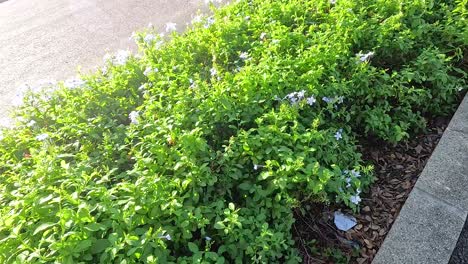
point(49, 39)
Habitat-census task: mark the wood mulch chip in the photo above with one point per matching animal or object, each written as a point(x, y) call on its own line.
point(396, 167)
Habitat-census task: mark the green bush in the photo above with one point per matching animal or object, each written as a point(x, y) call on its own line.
point(197, 149)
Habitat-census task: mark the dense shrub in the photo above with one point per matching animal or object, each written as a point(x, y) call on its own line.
point(198, 148)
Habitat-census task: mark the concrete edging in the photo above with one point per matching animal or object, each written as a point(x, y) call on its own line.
point(432, 218)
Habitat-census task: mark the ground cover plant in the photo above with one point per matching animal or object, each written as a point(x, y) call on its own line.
point(199, 148)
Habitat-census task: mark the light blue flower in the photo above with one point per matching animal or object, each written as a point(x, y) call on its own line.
point(295, 97)
point(149, 38)
point(365, 57)
point(327, 99)
point(134, 115)
point(42, 137)
point(338, 134)
point(340, 99)
point(355, 199)
point(209, 21)
point(73, 83)
point(311, 100)
point(355, 173)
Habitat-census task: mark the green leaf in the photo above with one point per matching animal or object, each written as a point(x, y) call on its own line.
point(100, 245)
point(245, 186)
point(43, 227)
point(219, 225)
point(193, 247)
point(93, 227)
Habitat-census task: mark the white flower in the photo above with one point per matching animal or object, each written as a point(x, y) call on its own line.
point(275, 41)
point(355, 199)
point(149, 38)
point(256, 167)
point(365, 57)
point(42, 137)
point(332, 2)
point(73, 83)
point(142, 87)
point(207, 238)
point(262, 36)
point(149, 70)
point(133, 36)
point(167, 237)
point(197, 19)
point(311, 100)
point(192, 83)
point(213, 72)
point(134, 117)
point(121, 57)
point(31, 123)
point(338, 134)
point(244, 55)
point(171, 27)
point(247, 18)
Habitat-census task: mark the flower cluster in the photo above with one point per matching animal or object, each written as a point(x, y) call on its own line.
point(209, 21)
point(296, 97)
point(133, 116)
point(119, 58)
point(150, 70)
point(170, 26)
point(73, 83)
point(42, 137)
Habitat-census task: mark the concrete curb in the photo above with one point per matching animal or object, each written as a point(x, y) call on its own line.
point(429, 224)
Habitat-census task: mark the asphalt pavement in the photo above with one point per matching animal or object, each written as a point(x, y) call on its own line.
point(49, 39)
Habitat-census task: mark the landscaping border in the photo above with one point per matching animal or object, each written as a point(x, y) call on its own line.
point(433, 216)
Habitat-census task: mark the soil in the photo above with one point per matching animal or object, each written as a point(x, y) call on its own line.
point(396, 167)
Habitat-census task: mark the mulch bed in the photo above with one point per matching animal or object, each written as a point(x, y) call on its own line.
point(396, 169)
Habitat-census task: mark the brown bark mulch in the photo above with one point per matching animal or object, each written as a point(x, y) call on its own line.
point(396, 168)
